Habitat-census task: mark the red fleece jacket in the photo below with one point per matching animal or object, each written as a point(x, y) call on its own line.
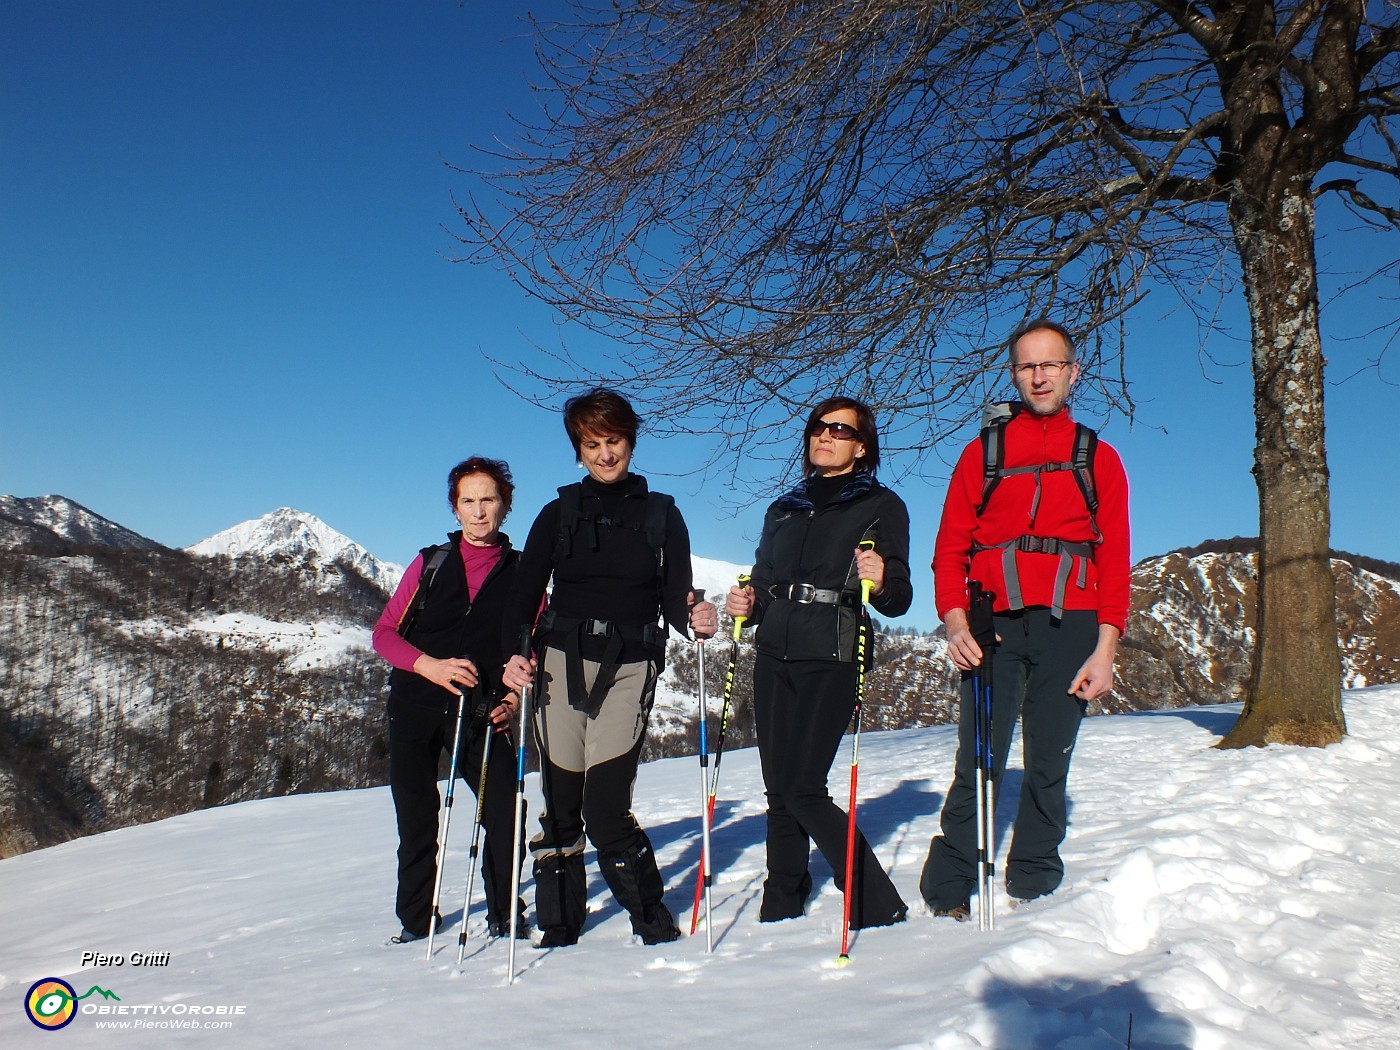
point(1029, 440)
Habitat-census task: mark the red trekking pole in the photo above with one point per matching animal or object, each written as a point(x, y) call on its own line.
point(844, 958)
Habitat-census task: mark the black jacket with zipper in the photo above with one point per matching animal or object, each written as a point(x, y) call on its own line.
point(454, 624)
point(805, 544)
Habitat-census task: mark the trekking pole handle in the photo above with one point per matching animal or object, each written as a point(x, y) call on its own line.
point(744, 579)
point(866, 586)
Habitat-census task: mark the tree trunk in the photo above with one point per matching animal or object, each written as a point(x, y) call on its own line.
point(1294, 692)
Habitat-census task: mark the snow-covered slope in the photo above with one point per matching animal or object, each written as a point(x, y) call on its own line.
point(1214, 900)
point(299, 537)
point(56, 522)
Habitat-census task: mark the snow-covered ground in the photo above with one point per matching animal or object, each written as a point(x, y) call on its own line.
point(1214, 900)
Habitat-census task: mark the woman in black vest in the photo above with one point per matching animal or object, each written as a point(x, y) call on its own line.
point(620, 559)
point(441, 631)
point(805, 601)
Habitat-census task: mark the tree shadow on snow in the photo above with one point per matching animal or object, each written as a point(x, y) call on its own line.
point(1211, 720)
point(1067, 1011)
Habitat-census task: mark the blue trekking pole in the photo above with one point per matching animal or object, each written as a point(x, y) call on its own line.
point(525, 697)
point(979, 618)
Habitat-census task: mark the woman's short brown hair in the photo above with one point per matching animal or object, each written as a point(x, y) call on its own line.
point(600, 411)
point(498, 470)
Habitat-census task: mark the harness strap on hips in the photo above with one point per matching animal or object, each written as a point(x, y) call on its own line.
point(567, 633)
point(1068, 552)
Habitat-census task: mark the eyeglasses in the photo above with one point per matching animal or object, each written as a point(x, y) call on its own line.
point(1052, 369)
point(840, 431)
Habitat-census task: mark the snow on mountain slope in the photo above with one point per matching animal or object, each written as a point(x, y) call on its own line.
point(299, 537)
point(46, 522)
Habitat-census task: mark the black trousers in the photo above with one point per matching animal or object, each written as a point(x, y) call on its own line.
point(802, 709)
point(418, 736)
point(1032, 667)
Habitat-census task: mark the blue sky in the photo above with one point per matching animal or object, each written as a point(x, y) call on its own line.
point(225, 287)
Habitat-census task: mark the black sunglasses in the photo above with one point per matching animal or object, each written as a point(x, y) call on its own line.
point(840, 431)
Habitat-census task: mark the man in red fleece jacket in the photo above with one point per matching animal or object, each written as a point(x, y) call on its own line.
point(1058, 614)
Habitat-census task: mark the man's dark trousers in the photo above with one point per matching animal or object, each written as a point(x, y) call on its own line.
point(1032, 667)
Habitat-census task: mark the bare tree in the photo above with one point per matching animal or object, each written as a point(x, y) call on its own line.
point(763, 201)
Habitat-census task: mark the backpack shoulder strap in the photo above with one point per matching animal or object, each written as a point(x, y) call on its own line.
point(654, 527)
point(570, 512)
point(433, 557)
point(1086, 443)
point(994, 420)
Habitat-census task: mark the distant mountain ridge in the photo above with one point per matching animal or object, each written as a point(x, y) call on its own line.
point(56, 524)
point(295, 536)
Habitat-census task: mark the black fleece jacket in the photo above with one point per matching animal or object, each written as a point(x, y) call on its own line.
point(607, 573)
point(814, 542)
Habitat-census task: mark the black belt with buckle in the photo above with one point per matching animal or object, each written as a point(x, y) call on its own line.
point(808, 594)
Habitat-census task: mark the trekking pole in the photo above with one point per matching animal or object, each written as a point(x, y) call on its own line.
point(446, 823)
point(984, 633)
point(719, 751)
point(525, 639)
point(705, 812)
point(866, 586)
point(477, 818)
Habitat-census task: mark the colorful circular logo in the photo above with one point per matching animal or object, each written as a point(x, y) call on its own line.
point(51, 1003)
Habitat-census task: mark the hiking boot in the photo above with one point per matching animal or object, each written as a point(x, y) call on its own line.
point(958, 913)
point(561, 892)
point(407, 936)
point(633, 877)
point(658, 927)
point(784, 897)
point(557, 937)
point(897, 916)
point(497, 927)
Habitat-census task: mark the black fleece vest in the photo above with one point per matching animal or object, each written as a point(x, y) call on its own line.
point(452, 625)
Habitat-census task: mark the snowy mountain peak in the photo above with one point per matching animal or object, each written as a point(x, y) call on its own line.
point(56, 522)
point(297, 536)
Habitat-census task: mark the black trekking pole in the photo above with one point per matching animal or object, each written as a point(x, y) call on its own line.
point(866, 586)
point(477, 819)
point(525, 697)
point(725, 711)
point(446, 823)
point(979, 618)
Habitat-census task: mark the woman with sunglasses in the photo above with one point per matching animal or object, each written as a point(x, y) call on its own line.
point(805, 600)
